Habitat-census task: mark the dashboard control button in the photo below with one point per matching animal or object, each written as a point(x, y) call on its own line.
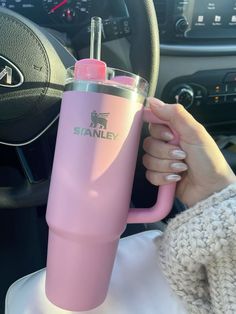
point(217, 89)
point(181, 25)
point(114, 28)
point(213, 100)
point(198, 92)
point(125, 26)
point(197, 102)
point(185, 95)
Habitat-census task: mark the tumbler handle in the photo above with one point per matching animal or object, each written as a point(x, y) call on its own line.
point(166, 193)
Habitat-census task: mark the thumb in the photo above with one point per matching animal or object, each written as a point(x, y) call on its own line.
point(178, 118)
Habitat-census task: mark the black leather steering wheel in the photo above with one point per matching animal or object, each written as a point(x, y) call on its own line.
point(32, 90)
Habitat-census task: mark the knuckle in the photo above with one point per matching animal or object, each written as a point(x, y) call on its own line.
point(147, 143)
point(151, 163)
point(152, 177)
point(146, 161)
point(178, 108)
point(153, 129)
point(155, 177)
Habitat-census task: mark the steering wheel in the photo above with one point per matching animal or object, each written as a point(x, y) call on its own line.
point(34, 64)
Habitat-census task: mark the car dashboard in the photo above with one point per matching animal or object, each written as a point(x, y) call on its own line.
point(68, 17)
point(58, 14)
point(197, 48)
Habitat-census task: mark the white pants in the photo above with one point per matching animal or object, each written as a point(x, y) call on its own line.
point(137, 285)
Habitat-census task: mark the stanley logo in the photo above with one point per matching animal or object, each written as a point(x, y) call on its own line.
point(99, 119)
point(97, 127)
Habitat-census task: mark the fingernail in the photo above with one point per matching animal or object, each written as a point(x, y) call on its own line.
point(177, 153)
point(155, 102)
point(179, 166)
point(167, 136)
point(173, 177)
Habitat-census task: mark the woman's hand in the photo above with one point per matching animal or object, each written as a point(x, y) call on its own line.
point(197, 163)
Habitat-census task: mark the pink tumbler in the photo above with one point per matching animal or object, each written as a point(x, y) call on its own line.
point(88, 207)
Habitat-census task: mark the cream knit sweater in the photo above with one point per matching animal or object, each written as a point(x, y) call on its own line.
point(198, 254)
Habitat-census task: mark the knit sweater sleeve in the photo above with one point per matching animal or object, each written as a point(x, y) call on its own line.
point(198, 254)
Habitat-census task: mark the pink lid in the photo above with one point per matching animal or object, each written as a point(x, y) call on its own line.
point(90, 69)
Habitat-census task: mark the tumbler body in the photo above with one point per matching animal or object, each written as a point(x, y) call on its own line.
point(90, 191)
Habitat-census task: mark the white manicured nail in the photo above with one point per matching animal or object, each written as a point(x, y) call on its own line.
point(173, 177)
point(168, 136)
point(179, 166)
point(179, 154)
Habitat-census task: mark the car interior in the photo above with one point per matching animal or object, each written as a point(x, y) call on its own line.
point(186, 49)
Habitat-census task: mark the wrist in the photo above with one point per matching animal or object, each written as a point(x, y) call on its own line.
point(215, 199)
point(202, 193)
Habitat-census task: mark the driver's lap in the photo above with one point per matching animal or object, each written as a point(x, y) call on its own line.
point(138, 285)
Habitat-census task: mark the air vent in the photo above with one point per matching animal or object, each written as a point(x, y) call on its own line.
point(161, 11)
